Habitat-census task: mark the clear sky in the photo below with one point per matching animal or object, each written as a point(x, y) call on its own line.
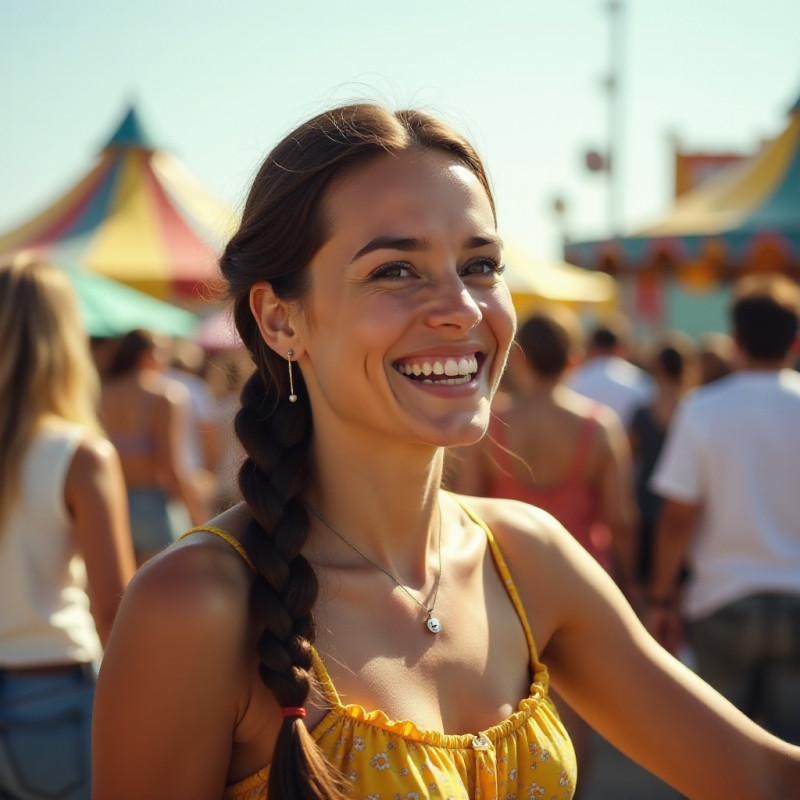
point(220, 82)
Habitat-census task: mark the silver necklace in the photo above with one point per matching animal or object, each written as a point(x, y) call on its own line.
point(433, 623)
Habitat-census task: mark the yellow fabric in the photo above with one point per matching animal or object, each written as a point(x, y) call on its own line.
point(129, 243)
point(527, 755)
point(727, 199)
point(229, 538)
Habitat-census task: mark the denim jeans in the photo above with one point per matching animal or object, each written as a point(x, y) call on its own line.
point(45, 735)
point(749, 651)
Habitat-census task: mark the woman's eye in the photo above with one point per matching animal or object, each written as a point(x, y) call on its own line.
point(397, 269)
point(483, 266)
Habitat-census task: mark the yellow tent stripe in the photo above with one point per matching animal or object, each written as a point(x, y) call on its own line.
point(195, 199)
point(727, 200)
point(128, 245)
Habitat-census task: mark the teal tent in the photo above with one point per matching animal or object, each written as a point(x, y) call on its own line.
point(112, 309)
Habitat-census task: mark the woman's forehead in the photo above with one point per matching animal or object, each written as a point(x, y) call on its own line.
point(406, 189)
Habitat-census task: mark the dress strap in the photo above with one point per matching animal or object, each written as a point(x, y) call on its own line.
point(225, 536)
point(323, 678)
point(505, 574)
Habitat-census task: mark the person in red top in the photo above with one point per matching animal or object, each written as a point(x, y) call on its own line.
point(558, 450)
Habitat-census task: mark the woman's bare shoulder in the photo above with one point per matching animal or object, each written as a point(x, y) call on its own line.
point(515, 523)
point(201, 582)
point(532, 537)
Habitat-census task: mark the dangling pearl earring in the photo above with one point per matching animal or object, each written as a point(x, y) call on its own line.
point(292, 395)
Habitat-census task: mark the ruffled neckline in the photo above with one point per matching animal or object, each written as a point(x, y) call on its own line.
point(410, 731)
point(406, 729)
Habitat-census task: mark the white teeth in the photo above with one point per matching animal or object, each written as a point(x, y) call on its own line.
point(451, 367)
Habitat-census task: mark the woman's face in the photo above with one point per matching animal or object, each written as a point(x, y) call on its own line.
point(409, 321)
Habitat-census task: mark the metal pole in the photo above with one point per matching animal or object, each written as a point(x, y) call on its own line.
point(613, 85)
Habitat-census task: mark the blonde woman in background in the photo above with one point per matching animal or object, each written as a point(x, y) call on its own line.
point(65, 549)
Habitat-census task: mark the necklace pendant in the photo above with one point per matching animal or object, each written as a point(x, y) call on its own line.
point(434, 626)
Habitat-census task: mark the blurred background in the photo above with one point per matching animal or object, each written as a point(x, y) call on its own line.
point(589, 114)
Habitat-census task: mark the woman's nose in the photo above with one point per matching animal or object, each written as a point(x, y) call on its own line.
point(453, 304)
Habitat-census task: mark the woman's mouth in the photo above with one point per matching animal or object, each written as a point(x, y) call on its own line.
point(449, 370)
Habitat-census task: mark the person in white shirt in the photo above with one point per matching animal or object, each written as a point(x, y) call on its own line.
point(607, 376)
point(65, 544)
point(728, 474)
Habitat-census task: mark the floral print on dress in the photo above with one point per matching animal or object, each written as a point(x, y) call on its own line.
point(380, 761)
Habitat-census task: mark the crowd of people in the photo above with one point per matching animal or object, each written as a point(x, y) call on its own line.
point(434, 501)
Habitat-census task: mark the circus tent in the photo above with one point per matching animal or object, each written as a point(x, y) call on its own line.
point(138, 217)
point(744, 218)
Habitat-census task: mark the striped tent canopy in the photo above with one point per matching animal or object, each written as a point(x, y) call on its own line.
point(744, 218)
point(138, 217)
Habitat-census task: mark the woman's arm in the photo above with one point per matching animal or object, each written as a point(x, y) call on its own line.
point(94, 493)
point(645, 702)
point(173, 680)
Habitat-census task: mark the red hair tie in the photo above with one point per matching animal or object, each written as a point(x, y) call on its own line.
point(293, 711)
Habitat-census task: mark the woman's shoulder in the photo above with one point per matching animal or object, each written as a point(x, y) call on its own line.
point(553, 573)
point(201, 582)
point(516, 526)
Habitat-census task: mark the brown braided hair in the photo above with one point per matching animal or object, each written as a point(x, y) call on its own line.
point(283, 225)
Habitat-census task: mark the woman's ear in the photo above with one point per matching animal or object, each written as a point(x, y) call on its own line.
point(274, 319)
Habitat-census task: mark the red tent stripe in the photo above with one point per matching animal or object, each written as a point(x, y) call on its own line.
point(186, 250)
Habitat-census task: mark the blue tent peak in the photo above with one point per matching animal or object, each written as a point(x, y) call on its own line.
point(131, 133)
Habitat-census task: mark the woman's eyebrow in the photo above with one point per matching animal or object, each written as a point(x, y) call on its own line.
point(408, 243)
point(392, 243)
point(474, 242)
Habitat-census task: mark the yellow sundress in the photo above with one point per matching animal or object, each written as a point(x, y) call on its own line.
point(527, 756)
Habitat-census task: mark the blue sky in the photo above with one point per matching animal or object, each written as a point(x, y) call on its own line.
point(220, 82)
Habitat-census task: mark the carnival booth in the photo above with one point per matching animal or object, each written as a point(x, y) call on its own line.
point(745, 218)
point(138, 217)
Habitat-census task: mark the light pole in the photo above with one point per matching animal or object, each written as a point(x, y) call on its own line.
point(613, 84)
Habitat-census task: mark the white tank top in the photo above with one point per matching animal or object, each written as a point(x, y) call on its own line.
point(44, 608)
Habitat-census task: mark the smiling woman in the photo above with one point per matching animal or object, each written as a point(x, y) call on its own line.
point(319, 640)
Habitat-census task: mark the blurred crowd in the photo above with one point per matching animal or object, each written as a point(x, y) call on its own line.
point(674, 465)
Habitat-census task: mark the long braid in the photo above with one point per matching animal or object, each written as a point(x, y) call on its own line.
point(275, 435)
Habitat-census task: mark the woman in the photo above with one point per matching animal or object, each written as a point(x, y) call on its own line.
point(65, 550)
point(144, 413)
point(319, 640)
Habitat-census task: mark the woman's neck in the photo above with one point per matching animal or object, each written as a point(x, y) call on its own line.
point(385, 501)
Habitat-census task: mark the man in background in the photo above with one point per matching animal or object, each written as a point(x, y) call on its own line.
point(607, 375)
point(729, 475)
